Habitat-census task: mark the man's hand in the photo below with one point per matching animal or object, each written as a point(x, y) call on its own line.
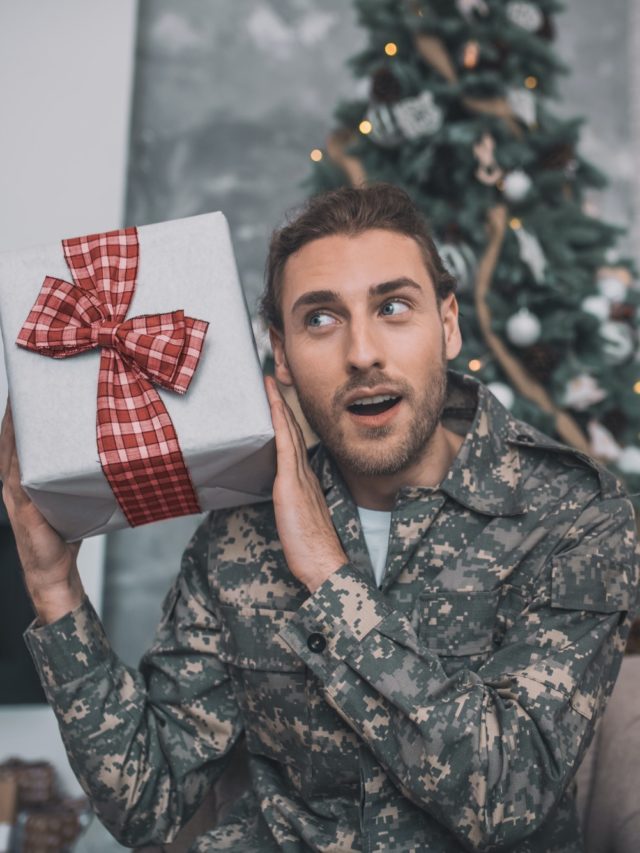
point(309, 540)
point(49, 563)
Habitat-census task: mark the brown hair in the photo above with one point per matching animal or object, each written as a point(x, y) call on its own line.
point(350, 211)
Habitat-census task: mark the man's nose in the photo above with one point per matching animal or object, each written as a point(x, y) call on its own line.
point(364, 347)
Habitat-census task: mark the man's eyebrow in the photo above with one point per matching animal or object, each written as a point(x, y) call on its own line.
point(386, 287)
point(316, 297)
point(326, 297)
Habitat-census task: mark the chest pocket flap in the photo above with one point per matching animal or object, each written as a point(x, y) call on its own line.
point(250, 639)
point(457, 623)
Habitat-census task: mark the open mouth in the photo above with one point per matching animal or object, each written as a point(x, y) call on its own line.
point(373, 405)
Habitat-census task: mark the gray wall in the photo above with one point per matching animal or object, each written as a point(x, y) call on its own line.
point(229, 100)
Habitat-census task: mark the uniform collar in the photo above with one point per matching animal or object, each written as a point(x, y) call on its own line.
point(485, 475)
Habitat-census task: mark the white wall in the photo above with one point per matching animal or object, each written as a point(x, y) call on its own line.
point(66, 73)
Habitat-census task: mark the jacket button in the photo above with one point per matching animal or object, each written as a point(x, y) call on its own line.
point(316, 643)
point(522, 436)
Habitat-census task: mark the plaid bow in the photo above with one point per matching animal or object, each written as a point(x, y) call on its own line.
point(137, 443)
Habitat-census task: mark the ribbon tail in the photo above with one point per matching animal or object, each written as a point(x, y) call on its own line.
point(139, 450)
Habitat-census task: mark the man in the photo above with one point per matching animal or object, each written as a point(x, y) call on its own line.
point(417, 636)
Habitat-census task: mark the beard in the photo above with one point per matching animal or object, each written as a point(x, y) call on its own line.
point(380, 454)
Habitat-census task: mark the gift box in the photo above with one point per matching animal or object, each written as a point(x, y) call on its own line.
point(134, 380)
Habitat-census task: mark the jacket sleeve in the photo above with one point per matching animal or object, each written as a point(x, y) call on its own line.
point(489, 752)
point(145, 745)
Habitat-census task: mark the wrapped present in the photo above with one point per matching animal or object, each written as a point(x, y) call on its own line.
point(135, 385)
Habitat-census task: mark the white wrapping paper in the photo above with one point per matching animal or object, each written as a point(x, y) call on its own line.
point(222, 422)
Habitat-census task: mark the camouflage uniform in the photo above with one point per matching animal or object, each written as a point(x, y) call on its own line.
point(446, 711)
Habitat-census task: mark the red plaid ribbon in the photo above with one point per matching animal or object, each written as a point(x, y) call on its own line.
point(137, 443)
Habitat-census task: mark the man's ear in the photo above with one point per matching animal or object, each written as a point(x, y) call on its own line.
point(283, 375)
point(452, 337)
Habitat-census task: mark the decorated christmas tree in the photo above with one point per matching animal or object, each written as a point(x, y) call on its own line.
point(457, 108)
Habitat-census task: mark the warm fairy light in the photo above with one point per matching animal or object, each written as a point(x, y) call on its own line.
point(531, 82)
point(316, 155)
point(515, 223)
point(475, 364)
point(365, 126)
point(636, 387)
point(471, 54)
point(391, 48)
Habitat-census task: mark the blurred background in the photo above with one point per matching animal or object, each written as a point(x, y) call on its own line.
point(131, 113)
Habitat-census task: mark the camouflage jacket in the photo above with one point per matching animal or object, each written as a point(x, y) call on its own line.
point(447, 710)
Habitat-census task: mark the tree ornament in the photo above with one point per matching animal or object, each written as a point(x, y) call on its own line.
point(525, 15)
point(488, 171)
point(582, 392)
point(503, 392)
point(385, 86)
point(460, 261)
point(523, 328)
point(523, 104)
point(531, 253)
point(623, 311)
point(516, 185)
point(629, 460)
point(468, 7)
point(603, 444)
point(470, 56)
point(419, 116)
point(384, 129)
point(618, 341)
point(612, 288)
point(598, 306)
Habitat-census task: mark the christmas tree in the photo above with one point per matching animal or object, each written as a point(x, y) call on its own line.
point(459, 111)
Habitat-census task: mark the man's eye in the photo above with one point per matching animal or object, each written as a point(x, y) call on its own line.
point(393, 307)
point(319, 319)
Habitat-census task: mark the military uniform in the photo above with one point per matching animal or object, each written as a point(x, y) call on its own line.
point(445, 711)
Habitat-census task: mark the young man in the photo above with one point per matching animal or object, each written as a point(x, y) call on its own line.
point(418, 634)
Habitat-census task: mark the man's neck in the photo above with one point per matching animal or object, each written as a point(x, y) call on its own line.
point(379, 492)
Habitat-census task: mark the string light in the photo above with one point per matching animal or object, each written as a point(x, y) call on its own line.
point(475, 364)
point(391, 48)
point(531, 82)
point(636, 387)
point(471, 54)
point(365, 126)
point(515, 223)
point(316, 155)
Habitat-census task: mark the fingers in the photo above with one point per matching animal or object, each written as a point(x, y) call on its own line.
point(290, 443)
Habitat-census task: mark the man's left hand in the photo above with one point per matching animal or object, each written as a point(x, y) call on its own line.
point(309, 540)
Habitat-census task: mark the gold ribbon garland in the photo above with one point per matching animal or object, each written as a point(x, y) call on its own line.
point(565, 425)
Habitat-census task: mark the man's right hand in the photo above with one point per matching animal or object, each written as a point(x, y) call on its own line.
point(49, 563)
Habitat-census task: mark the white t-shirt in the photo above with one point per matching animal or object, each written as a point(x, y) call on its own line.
point(376, 525)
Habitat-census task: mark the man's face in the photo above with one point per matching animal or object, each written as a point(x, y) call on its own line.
point(366, 346)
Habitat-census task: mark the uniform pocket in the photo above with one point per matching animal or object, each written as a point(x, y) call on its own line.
point(269, 681)
point(457, 624)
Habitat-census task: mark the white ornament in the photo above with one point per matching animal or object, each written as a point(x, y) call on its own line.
point(523, 104)
point(629, 460)
point(603, 444)
point(419, 116)
point(384, 130)
point(583, 391)
point(612, 288)
point(503, 392)
point(531, 253)
point(459, 260)
point(468, 7)
point(599, 306)
point(618, 341)
point(525, 15)
point(516, 185)
point(612, 256)
point(523, 328)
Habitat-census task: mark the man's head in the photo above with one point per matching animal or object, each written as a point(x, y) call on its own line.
point(350, 211)
point(363, 318)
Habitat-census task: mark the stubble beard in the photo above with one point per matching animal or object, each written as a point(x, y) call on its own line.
point(377, 459)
